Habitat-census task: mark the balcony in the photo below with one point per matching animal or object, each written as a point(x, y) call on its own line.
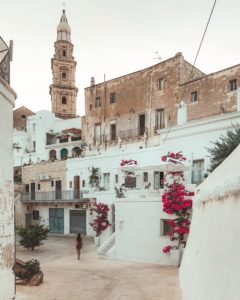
point(54, 196)
point(132, 133)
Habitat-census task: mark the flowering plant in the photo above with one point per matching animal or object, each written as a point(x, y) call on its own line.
point(128, 162)
point(174, 157)
point(176, 201)
point(100, 222)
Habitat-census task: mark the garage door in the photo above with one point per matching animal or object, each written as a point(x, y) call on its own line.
point(56, 220)
point(78, 221)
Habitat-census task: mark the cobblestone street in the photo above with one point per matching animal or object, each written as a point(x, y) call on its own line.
point(93, 278)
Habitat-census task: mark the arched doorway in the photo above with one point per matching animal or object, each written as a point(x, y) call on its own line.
point(76, 151)
point(52, 154)
point(64, 153)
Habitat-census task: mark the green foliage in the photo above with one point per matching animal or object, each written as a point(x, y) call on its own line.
point(94, 178)
point(32, 266)
point(223, 147)
point(31, 236)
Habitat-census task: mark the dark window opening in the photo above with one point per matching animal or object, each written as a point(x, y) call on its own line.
point(113, 132)
point(83, 183)
point(35, 214)
point(145, 176)
point(116, 178)
point(113, 98)
point(159, 119)
point(39, 187)
point(160, 84)
point(194, 97)
point(98, 102)
point(64, 100)
point(64, 76)
point(52, 183)
point(233, 85)
point(90, 107)
point(64, 53)
point(165, 227)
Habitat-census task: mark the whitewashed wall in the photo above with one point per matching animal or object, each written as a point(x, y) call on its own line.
point(211, 264)
point(138, 235)
point(7, 239)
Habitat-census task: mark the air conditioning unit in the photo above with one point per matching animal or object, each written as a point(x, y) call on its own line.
point(43, 177)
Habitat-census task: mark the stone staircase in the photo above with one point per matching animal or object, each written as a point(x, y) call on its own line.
point(108, 245)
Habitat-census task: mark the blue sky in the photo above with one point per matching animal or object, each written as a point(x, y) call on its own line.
point(114, 37)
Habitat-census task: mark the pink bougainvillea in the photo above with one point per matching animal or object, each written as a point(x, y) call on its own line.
point(100, 221)
point(176, 201)
point(128, 162)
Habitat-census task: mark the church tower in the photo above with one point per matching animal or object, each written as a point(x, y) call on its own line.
point(63, 90)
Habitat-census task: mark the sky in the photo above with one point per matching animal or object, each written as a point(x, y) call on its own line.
point(113, 37)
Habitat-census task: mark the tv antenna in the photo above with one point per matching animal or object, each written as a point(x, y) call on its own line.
point(157, 56)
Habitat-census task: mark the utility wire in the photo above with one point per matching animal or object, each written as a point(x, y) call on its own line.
point(190, 74)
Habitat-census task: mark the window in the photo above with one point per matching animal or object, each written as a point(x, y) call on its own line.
point(113, 132)
point(34, 127)
point(90, 107)
point(158, 180)
point(113, 98)
point(165, 228)
point(233, 84)
point(98, 102)
point(39, 187)
point(159, 119)
point(70, 184)
point(34, 146)
point(130, 182)
point(106, 181)
point(116, 178)
point(64, 100)
point(83, 183)
point(35, 214)
point(64, 76)
point(197, 171)
point(145, 176)
point(52, 183)
point(194, 97)
point(27, 188)
point(160, 84)
point(64, 53)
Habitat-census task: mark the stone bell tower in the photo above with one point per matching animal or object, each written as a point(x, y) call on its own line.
point(63, 90)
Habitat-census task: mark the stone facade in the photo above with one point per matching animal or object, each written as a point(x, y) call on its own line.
point(137, 104)
point(20, 117)
point(63, 90)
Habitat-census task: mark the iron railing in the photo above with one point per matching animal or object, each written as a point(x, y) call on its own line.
point(52, 196)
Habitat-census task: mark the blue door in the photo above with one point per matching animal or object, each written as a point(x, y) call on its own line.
point(56, 220)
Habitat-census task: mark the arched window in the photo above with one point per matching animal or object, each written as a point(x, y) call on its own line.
point(64, 76)
point(76, 151)
point(52, 155)
point(64, 153)
point(64, 100)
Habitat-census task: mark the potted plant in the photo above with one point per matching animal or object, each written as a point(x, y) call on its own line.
point(94, 178)
point(100, 221)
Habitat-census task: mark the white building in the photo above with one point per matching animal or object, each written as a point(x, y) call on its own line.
point(7, 238)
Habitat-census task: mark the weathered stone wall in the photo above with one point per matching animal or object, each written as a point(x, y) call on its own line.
point(55, 170)
point(139, 93)
point(7, 279)
point(20, 117)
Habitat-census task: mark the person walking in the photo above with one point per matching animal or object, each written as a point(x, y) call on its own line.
point(79, 244)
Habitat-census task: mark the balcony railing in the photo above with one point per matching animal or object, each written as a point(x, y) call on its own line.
point(54, 196)
point(132, 133)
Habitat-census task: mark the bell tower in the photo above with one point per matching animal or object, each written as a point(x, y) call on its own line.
point(63, 90)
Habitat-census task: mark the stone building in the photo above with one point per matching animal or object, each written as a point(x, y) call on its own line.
point(63, 90)
point(136, 105)
point(20, 117)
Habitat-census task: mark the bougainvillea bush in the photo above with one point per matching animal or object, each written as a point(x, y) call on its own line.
point(128, 162)
point(177, 202)
point(100, 217)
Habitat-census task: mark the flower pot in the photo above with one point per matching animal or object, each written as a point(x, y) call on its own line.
point(97, 241)
point(175, 257)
